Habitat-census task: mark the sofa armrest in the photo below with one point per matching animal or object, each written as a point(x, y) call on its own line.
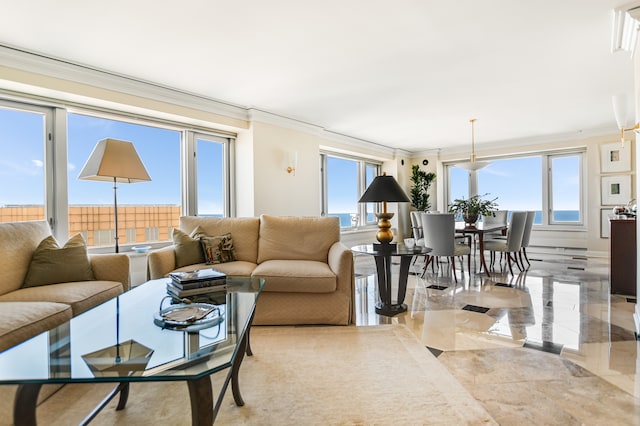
point(161, 262)
point(111, 267)
point(340, 261)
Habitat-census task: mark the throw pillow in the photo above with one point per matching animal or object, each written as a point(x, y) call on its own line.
point(187, 247)
point(52, 264)
point(218, 249)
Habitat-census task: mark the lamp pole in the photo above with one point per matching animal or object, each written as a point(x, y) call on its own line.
point(115, 211)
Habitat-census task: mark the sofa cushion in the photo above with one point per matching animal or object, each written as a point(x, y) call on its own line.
point(24, 320)
point(296, 276)
point(238, 268)
point(52, 264)
point(218, 249)
point(18, 240)
point(187, 247)
point(243, 229)
point(297, 238)
point(81, 295)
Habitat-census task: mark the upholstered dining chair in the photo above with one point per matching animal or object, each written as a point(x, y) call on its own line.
point(500, 218)
point(512, 244)
point(416, 226)
point(526, 236)
point(439, 235)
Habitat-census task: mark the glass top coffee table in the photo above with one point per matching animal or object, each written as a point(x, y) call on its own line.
point(119, 341)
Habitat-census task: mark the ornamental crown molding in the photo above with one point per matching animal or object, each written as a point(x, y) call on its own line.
point(36, 63)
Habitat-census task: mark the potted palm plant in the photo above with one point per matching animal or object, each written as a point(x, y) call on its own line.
point(472, 208)
point(420, 190)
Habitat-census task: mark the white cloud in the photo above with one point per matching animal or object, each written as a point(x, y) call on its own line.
point(32, 168)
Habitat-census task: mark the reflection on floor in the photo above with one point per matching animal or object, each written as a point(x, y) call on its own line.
point(548, 346)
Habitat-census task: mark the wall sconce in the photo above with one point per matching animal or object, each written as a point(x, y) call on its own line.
point(293, 162)
point(623, 111)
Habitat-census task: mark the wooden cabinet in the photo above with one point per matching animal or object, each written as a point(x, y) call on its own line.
point(622, 262)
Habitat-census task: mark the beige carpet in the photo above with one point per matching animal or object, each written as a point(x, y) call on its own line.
point(303, 376)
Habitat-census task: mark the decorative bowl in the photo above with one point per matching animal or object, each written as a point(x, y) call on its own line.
point(141, 249)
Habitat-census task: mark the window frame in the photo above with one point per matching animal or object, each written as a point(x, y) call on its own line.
point(362, 164)
point(56, 204)
point(190, 177)
point(546, 185)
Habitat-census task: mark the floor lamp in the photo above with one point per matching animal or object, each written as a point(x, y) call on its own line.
point(117, 161)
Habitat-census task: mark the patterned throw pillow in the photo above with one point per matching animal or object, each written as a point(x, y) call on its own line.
point(52, 264)
point(187, 247)
point(218, 249)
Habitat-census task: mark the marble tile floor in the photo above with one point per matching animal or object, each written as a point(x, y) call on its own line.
point(547, 346)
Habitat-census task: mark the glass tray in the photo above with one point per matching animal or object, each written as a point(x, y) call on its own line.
point(189, 317)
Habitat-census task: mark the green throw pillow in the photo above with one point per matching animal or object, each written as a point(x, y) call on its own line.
point(52, 264)
point(187, 247)
point(218, 249)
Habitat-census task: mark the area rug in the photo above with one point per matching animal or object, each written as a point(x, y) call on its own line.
point(336, 375)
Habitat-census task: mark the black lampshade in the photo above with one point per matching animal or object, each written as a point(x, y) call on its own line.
point(384, 188)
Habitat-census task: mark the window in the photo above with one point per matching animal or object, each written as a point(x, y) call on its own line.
point(102, 237)
point(130, 235)
point(211, 182)
point(23, 131)
point(152, 234)
point(458, 183)
point(43, 163)
point(565, 189)
point(516, 182)
point(549, 183)
point(344, 181)
point(138, 203)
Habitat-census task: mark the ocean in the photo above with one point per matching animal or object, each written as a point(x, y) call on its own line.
point(558, 216)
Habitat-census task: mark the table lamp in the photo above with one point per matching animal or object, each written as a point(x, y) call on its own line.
point(384, 189)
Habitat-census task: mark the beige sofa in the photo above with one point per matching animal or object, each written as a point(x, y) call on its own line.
point(308, 271)
point(29, 311)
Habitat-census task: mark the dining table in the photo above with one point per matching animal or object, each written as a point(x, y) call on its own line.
point(480, 229)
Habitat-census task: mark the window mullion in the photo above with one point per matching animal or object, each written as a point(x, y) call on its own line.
point(547, 181)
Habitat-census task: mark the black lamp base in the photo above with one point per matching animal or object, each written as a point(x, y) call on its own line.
point(384, 246)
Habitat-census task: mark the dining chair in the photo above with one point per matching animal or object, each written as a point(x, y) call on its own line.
point(512, 244)
point(526, 236)
point(416, 227)
point(439, 235)
point(500, 218)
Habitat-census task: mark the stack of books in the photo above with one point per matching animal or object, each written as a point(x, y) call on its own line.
point(196, 283)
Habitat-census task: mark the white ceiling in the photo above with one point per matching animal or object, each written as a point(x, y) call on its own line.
point(407, 74)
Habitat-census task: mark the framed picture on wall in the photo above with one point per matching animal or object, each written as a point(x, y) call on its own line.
point(614, 158)
point(604, 223)
point(616, 190)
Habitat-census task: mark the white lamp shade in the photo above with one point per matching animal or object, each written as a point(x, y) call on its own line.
point(623, 110)
point(473, 165)
point(112, 158)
